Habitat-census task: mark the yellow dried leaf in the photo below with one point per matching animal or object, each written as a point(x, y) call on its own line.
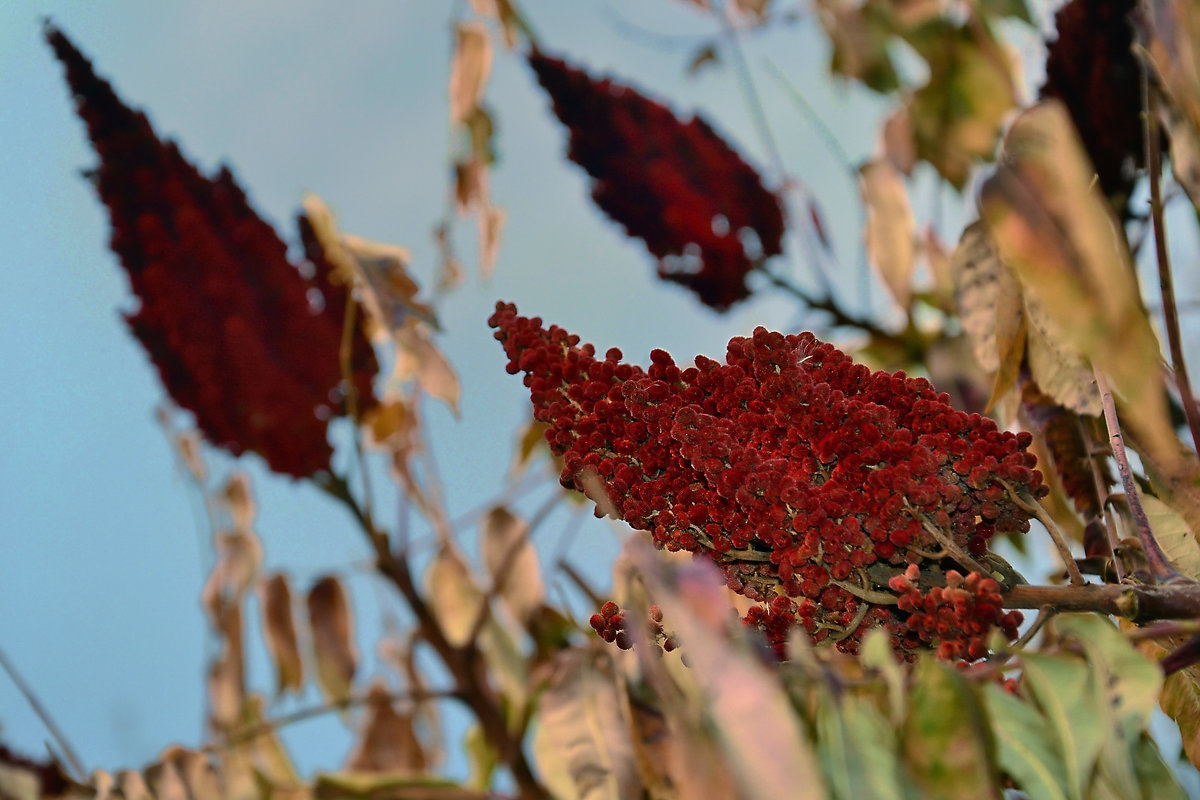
point(332, 627)
point(454, 595)
point(980, 281)
point(1053, 228)
point(239, 556)
point(470, 70)
point(387, 740)
point(390, 425)
point(891, 228)
point(1056, 367)
point(511, 561)
point(417, 357)
point(491, 223)
point(279, 631)
point(470, 185)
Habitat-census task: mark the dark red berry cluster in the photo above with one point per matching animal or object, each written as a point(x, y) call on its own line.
point(240, 337)
point(1091, 67)
point(612, 625)
point(678, 186)
point(795, 470)
point(955, 620)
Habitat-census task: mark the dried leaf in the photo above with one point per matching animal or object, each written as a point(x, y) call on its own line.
point(981, 280)
point(279, 630)
point(531, 439)
point(1174, 536)
point(740, 694)
point(470, 69)
point(450, 270)
point(860, 36)
point(897, 141)
point(491, 223)
point(239, 556)
point(455, 596)
point(511, 561)
point(387, 740)
point(705, 56)
point(1179, 699)
point(238, 498)
point(1060, 238)
point(582, 743)
point(390, 425)
point(417, 357)
point(1055, 365)
point(891, 228)
point(332, 627)
point(470, 185)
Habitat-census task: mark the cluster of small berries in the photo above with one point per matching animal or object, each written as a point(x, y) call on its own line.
point(795, 470)
point(676, 185)
point(954, 620)
point(240, 337)
point(612, 625)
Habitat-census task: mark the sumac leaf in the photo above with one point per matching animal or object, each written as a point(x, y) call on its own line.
point(332, 627)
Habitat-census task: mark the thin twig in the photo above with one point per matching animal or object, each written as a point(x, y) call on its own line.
point(1102, 491)
point(60, 738)
point(841, 317)
point(1165, 282)
point(1032, 506)
point(1161, 568)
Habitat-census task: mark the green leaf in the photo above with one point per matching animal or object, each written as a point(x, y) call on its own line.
point(1066, 692)
point(1130, 681)
point(1156, 779)
point(946, 740)
point(852, 734)
point(876, 653)
point(1025, 745)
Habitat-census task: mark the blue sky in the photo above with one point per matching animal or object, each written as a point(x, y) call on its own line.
point(104, 550)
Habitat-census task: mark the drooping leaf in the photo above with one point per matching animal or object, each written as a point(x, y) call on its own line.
point(511, 561)
point(948, 754)
point(1062, 430)
point(455, 595)
point(891, 228)
point(387, 740)
point(1055, 364)
point(1179, 698)
point(582, 743)
point(491, 224)
point(1174, 536)
point(740, 694)
point(470, 69)
point(1061, 239)
point(332, 626)
point(898, 143)
point(418, 357)
point(980, 280)
point(856, 748)
point(1066, 692)
point(279, 631)
point(876, 653)
point(1025, 746)
point(699, 207)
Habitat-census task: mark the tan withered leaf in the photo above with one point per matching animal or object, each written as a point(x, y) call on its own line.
point(582, 743)
point(470, 70)
point(454, 594)
point(984, 288)
point(897, 142)
point(387, 740)
point(238, 558)
point(891, 227)
point(238, 499)
point(390, 425)
point(1057, 367)
point(279, 630)
point(1174, 33)
point(418, 357)
point(511, 561)
point(332, 627)
point(1057, 233)
point(470, 185)
point(491, 224)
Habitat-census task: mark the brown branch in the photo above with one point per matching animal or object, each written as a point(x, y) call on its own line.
point(1161, 568)
point(464, 664)
point(1165, 282)
point(1135, 602)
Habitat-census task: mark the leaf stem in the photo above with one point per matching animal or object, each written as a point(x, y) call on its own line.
point(1060, 543)
point(59, 737)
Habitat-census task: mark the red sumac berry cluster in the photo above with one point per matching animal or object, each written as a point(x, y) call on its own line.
point(612, 625)
point(954, 620)
point(795, 470)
